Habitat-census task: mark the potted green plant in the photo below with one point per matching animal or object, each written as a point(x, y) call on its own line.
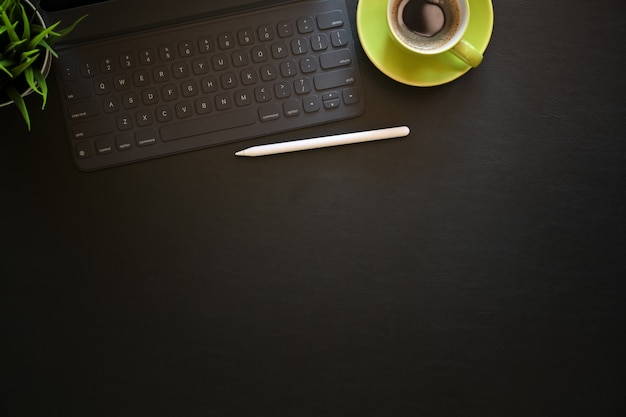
point(25, 52)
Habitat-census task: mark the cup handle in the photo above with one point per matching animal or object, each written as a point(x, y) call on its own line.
point(467, 53)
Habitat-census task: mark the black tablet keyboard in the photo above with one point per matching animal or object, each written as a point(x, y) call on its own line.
point(207, 83)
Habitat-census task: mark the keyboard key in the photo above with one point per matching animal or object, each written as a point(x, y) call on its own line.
point(269, 72)
point(111, 104)
point(269, 112)
point(77, 91)
point(166, 53)
point(207, 124)
point(300, 46)
point(308, 64)
point(161, 74)
point(143, 118)
point(147, 57)
point(186, 49)
point(226, 41)
point(249, 77)
point(334, 79)
point(302, 85)
point(319, 42)
point(280, 50)
point(243, 98)
point(334, 59)
point(169, 92)
point(220, 62)
point(164, 114)
point(141, 78)
point(306, 25)
point(240, 58)
point(330, 20)
point(127, 61)
point(285, 29)
point(184, 110)
point(209, 84)
point(190, 88)
point(150, 96)
point(332, 104)
point(124, 142)
point(145, 137)
point(91, 128)
point(104, 146)
point(229, 80)
point(180, 70)
point(102, 87)
point(291, 108)
point(311, 104)
point(84, 150)
point(351, 96)
point(223, 101)
point(203, 106)
point(121, 82)
point(331, 95)
point(259, 54)
point(282, 89)
point(200, 66)
point(206, 44)
point(68, 72)
point(107, 65)
point(124, 122)
point(246, 37)
point(339, 38)
point(266, 33)
point(130, 100)
point(88, 69)
point(262, 94)
point(288, 68)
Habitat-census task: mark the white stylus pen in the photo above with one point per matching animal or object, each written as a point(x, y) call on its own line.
point(324, 142)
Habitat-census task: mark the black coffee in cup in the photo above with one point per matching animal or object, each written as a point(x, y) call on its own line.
point(423, 17)
point(425, 24)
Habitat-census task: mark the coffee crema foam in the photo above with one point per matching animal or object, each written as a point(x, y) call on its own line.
point(416, 41)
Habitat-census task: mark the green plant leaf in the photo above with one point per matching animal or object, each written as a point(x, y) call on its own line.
point(25, 22)
point(5, 64)
point(19, 102)
point(12, 46)
point(43, 85)
point(45, 45)
point(27, 54)
point(36, 81)
point(29, 76)
point(41, 36)
point(70, 28)
point(18, 69)
point(10, 27)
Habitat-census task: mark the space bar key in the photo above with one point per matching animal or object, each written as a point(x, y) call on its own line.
point(207, 124)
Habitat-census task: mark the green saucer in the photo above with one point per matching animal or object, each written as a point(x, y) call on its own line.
point(412, 69)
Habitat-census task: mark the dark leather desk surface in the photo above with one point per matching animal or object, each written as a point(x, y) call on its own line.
point(474, 269)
